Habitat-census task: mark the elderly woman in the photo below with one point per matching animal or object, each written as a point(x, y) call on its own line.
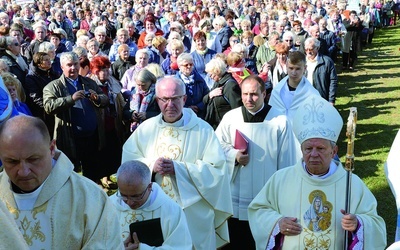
point(81, 41)
point(4, 19)
point(122, 38)
point(158, 51)
point(232, 41)
point(202, 55)
point(223, 31)
point(93, 49)
point(11, 54)
point(196, 87)
point(123, 63)
point(156, 70)
point(59, 22)
point(40, 74)
point(212, 41)
point(112, 127)
point(131, 27)
point(143, 103)
point(100, 34)
point(249, 62)
point(85, 23)
point(49, 48)
point(170, 65)
point(237, 67)
point(128, 80)
point(75, 22)
point(247, 40)
point(55, 39)
point(224, 95)
point(277, 66)
point(150, 26)
point(17, 94)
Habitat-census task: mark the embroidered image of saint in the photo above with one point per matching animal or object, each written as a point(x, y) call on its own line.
point(318, 216)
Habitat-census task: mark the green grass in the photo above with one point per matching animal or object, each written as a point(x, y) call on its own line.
point(374, 88)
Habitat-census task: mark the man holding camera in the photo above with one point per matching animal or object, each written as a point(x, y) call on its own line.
point(76, 101)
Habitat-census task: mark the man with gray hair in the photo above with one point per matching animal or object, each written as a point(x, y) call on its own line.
point(188, 163)
point(40, 36)
point(75, 101)
point(321, 71)
point(302, 206)
point(139, 199)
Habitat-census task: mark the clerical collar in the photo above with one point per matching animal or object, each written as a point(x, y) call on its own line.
point(331, 171)
point(254, 113)
point(17, 190)
point(179, 123)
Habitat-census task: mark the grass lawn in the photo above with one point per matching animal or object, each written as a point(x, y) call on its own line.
point(374, 88)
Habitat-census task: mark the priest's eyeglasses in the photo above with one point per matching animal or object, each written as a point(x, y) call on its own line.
point(138, 197)
point(170, 99)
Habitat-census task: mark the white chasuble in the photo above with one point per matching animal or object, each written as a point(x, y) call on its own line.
point(169, 145)
point(35, 225)
point(200, 178)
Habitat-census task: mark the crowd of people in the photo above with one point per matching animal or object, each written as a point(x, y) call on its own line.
point(205, 110)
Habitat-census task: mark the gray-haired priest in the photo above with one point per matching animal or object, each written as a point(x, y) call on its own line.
point(302, 206)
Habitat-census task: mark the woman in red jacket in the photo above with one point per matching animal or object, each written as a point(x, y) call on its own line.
point(150, 26)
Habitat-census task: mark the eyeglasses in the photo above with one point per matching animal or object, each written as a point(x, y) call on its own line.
point(138, 197)
point(187, 65)
point(170, 99)
point(288, 40)
point(235, 41)
point(309, 49)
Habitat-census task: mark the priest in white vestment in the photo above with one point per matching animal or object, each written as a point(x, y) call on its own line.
point(302, 206)
point(53, 207)
point(270, 147)
point(10, 236)
point(188, 163)
point(134, 204)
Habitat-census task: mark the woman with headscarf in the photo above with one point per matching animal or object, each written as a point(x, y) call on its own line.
point(143, 103)
point(237, 67)
point(150, 25)
point(196, 87)
point(111, 127)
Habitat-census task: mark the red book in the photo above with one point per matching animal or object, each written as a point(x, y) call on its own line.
point(240, 141)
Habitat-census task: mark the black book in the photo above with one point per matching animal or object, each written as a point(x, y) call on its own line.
point(148, 232)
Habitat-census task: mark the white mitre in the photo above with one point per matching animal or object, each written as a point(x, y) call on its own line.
point(317, 118)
